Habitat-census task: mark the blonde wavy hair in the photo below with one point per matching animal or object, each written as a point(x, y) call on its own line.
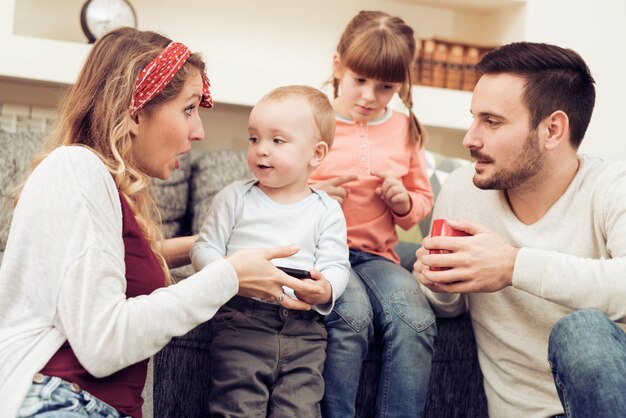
point(95, 114)
point(377, 45)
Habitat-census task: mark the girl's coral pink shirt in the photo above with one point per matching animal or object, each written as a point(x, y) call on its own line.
point(380, 145)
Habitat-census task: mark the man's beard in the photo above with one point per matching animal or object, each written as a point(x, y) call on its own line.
point(529, 163)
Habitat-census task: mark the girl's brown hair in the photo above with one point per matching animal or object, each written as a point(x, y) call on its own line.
point(380, 46)
point(95, 114)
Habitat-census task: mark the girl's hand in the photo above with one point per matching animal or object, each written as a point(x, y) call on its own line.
point(333, 187)
point(259, 278)
point(318, 280)
point(393, 193)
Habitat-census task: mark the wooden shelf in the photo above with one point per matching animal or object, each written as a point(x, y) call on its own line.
point(471, 5)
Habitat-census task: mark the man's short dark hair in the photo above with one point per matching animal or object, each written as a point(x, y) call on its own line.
point(556, 79)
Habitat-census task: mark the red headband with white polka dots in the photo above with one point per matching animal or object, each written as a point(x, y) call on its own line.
point(159, 72)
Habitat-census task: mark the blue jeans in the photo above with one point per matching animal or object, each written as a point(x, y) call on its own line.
point(53, 397)
point(587, 354)
point(381, 296)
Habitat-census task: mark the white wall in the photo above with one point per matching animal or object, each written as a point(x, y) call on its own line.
point(597, 31)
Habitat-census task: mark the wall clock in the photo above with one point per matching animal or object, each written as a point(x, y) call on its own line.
point(97, 17)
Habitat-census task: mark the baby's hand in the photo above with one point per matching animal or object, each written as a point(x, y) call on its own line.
point(393, 193)
point(316, 298)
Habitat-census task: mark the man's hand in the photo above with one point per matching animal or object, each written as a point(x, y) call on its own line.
point(480, 263)
point(393, 193)
point(334, 187)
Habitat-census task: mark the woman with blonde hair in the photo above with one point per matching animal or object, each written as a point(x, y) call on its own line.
point(83, 279)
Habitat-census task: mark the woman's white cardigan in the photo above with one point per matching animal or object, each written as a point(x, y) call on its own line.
point(62, 277)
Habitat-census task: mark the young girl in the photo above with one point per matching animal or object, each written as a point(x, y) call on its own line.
point(376, 170)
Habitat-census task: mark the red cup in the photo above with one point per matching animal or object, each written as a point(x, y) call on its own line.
point(441, 228)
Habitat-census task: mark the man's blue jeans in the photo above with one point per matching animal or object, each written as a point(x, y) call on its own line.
point(587, 354)
point(384, 296)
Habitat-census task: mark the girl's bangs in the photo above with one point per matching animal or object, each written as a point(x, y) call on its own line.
point(385, 65)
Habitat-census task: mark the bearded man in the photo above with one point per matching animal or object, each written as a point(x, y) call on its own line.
point(543, 270)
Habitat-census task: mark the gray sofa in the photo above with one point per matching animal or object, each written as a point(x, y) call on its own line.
point(181, 369)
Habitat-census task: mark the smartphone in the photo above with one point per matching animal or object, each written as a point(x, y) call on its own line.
point(297, 273)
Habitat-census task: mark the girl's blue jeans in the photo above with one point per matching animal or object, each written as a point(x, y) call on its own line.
point(587, 354)
point(382, 299)
point(53, 397)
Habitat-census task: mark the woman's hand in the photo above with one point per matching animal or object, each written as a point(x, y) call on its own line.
point(316, 298)
point(393, 193)
point(259, 278)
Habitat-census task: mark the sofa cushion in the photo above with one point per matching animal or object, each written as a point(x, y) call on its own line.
point(17, 151)
point(211, 172)
point(172, 196)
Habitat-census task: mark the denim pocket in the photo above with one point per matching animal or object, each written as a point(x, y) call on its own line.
point(353, 307)
point(413, 308)
point(357, 316)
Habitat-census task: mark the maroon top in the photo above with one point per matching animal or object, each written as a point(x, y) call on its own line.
point(144, 274)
